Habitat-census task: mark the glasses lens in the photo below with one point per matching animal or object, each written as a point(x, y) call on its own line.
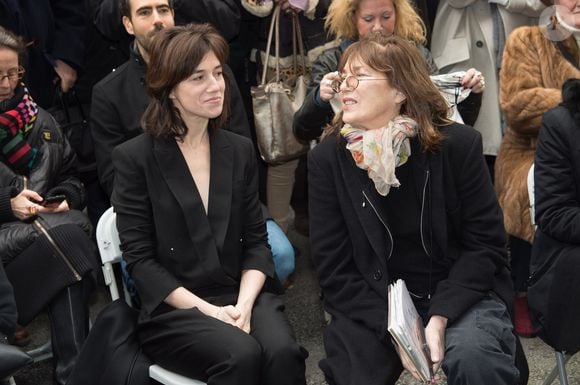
point(352, 82)
point(335, 85)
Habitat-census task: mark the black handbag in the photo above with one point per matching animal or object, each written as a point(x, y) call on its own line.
point(70, 114)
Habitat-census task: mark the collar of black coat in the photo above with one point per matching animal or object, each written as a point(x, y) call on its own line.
point(571, 97)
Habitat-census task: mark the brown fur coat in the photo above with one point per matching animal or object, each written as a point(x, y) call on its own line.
point(531, 77)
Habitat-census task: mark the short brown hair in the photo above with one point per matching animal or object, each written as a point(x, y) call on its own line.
point(407, 72)
point(175, 53)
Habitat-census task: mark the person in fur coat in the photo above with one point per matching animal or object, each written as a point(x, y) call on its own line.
point(536, 62)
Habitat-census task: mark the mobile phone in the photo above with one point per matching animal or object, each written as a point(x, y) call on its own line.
point(53, 199)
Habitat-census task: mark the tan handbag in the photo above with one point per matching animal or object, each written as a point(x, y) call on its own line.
point(275, 102)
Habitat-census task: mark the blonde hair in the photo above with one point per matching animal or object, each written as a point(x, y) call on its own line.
point(340, 20)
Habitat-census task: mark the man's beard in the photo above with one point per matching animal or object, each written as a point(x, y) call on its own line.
point(145, 42)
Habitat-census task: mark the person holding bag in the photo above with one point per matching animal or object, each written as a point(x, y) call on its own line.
point(289, 38)
point(44, 236)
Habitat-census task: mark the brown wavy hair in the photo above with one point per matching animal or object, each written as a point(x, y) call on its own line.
point(406, 70)
point(340, 20)
point(175, 53)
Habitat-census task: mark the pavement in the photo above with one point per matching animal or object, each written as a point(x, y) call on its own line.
point(305, 314)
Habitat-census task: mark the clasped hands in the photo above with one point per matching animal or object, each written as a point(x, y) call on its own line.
point(238, 316)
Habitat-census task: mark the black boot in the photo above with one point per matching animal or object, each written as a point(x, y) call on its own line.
point(69, 321)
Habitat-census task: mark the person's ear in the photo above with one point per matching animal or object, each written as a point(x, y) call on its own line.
point(400, 97)
point(128, 25)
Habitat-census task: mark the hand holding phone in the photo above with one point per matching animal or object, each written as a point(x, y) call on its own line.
point(53, 199)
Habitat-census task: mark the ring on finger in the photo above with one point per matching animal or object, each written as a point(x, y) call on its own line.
point(32, 210)
point(482, 82)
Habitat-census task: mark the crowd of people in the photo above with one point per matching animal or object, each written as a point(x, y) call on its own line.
point(397, 186)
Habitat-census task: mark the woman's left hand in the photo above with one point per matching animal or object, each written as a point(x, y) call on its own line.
point(245, 317)
point(435, 339)
point(473, 79)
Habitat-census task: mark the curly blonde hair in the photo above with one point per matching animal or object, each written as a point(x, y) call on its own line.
point(340, 20)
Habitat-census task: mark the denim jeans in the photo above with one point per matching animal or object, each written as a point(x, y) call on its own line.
point(480, 346)
point(282, 250)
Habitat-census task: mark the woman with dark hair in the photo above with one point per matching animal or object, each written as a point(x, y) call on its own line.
point(398, 191)
point(44, 243)
point(191, 229)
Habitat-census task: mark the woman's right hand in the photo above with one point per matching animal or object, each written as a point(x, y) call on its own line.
point(25, 204)
point(325, 90)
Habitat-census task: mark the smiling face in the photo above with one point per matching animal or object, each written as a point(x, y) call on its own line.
point(375, 16)
point(569, 11)
point(201, 95)
point(374, 102)
point(8, 64)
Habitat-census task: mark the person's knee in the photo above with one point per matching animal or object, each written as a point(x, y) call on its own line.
point(282, 250)
point(481, 361)
point(244, 357)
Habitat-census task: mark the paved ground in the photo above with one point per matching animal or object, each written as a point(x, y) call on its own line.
point(305, 313)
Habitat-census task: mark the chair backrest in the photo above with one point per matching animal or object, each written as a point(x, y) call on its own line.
point(109, 248)
point(531, 196)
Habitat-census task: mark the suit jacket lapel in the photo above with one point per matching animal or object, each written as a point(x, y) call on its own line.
point(220, 187)
point(176, 174)
point(358, 184)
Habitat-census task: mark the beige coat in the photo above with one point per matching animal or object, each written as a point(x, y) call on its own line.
point(463, 37)
point(533, 71)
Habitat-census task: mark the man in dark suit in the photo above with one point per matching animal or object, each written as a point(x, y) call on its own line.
point(120, 99)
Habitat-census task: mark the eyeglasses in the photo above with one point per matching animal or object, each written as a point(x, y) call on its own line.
point(13, 75)
point(351, 82)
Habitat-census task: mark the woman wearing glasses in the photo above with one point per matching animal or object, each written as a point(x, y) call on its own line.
point(398, 191)
point(352, 20)
point(44, 245)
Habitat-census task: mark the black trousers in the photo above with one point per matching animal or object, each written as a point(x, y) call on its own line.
point(201, 347)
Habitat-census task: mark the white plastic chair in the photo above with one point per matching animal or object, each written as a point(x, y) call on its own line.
point(110, 252)
point(561, 357)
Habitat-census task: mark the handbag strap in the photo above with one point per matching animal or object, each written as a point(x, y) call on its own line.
point(274, 24)
point(297, 42)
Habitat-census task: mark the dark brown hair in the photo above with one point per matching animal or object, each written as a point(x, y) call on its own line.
point(13, 42)
point(125, 7)
point(407, 72)
point(175, 53)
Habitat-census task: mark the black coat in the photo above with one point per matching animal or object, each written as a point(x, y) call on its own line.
point(56, 29)
point(554, 294)
point(461, 226)
point(8, 313)
point(167, 238)
point(119, 101)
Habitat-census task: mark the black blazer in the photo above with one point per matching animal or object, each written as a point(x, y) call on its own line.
point(166, 237)
point(461, 226)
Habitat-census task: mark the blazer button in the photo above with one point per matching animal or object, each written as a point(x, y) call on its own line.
point(479, 43)
point(378, 275)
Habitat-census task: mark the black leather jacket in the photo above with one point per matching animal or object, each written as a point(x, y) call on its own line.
point(53, 174)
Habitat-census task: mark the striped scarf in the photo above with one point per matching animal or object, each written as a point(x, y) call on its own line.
point(15, 124)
